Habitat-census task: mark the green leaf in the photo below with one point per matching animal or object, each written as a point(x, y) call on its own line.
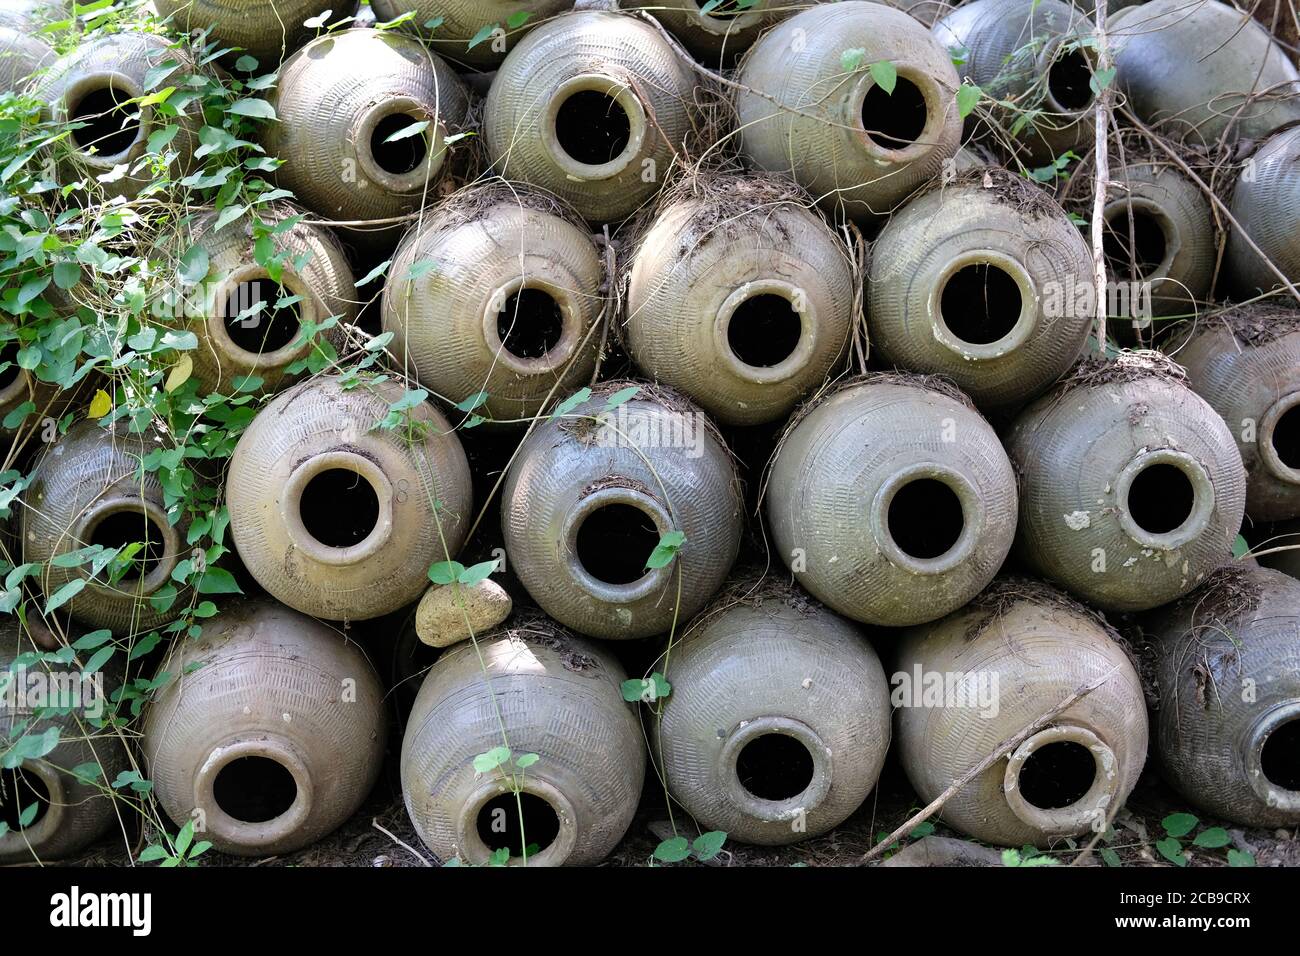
point(1179, 824)
point(968, 94)
point(885, 75)
point(852, 58)
point(1110, 857)
point(707, 845)
point(1171, 850)
point(673, 851)
point(318, 21)
point(67, 274)
point(1240, 858)
point(667, 548)
point(487, 762)
point(27, 815)
point(1212, 839)
point(63, 595)
point(621, 397)
point(518, 19)
point(246, 64)
point(473, 402)
point(1239, 547)
point(418, 270)
point(484, 32)
point(526, 760)
point(185, 837)
point(572, 402)
point(375, 273)
point(153, 852)
point(1100, 80)
point(99, 659)
point(194, 266)
point(922, 829)
point(17, 415)
point(473, 575)
point(259, 109)
point(88, 642)
point(406, 132)
point(218, 581)
point(444, 572)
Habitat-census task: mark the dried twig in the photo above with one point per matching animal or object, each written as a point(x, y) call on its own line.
point(1101, 177)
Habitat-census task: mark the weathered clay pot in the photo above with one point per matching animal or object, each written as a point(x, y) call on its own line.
point(1228, 724)
point(726, 30)
point(336, 517)
point(1204, 69)
point(270, 736)
point(1131, 486)
point(1246, 363)
point(593, 107)
point(891, 501)
point(981, 284)
point(339, 100)
point(1032, 52)
point(1266, 201)
point(86, 491)
point(91, 84)
point(508, 310)
point(965, 684)
point(21, 55)
point(591, 494)
point(1159, 230)
point(266, 30)
point(72, 812)
point(314, 271)
point(19, 386)
point(840, 135)
point(459, 21)
point(534, 689)
point(778, 720)
point(745, 308)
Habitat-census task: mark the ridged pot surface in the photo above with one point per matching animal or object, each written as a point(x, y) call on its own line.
point(1032, 52)
point(457, 22)
point(89, 85)
point(778, 720)
point(841, 137)
point(592, 493)
point(72, 812)
point(892, 502)
point(1266, 202)
point(335, 517)
point(1131, 487)
point(266, 30)
point(233, 352)
point(1227, 727)
point(339, 99)
point(508, 310)
point(1246, 364)
point(84, 492)
point(726, 30)
point(982, 284)
point(21, 55)
point(534, 689)
point(967, 683)
point(745, 310)
point(593, 107)
point(1204, 69)
point(271, 732)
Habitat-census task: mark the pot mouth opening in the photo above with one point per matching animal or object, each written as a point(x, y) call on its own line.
point(150, 545)
point(255, 789)
point(596, 126)
point(1281, 438)
point(1061, 780)
point(401, 155)
point(531, 325)
point(110, 126)
point(1057, 775)
point(338, 507)
point(775, 768)
point(610, 536)
point(766, 331)
point(254, 792)
point(1138, 240)
point(726, 15)
point(22, 789)
point(1165, 499)
point(1279, 758)
point(394, 151)
point(506, 822)
point(901, 125)
point(1069, 79)
point(927, 519)
point(986, 306)
point(260, 319)
point(13, 380)
point(1272, 757)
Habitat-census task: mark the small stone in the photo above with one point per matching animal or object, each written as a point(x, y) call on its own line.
point(440, 621)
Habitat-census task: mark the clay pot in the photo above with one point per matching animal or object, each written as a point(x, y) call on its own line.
point(840, 135)
point(1159, 230)
point(591, 494)
point(459, 21)
point(19, 386)
point(1227, 726)
point(1204, 69)
point(270, 736)
point(91, 85)
point(982, 283)
point(339, 100)
point(72, 812)
point(725, 31)
point(891, 501)
point(591, 106)
point(1030, 52)
point(1246, 364)
point(86, 491)
point(1131, 486)
point(263, 29)
point(534, 689)
point(745, 308)
point(967, 683)
point(335, 517)
point(1266, 202)
point(1284, 541)
point(778, 720)
point(508, 310)
point(21, 55)
point(314, 271)
point(31, 15)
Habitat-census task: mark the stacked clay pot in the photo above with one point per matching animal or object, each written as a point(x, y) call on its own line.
point(21, 55)
point(451, 25)
point(268, 31)
point(1265, 203)
point(726, 30)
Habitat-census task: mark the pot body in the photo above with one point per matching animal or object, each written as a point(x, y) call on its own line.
point(339, 100)
point(745, 311)
point(268, 31)
point(1131, 490)
point(537, 691)
point(593, 107)
point(21, 55)
point(592, 493)
point(1266, 201)
point(271, 734)
point(1204, 69)
point(509, 309)
point(1032, 52)
point(986, 286)
point(891, 502)
point(718, 35)
point(817, 128)
point(778, 721)
point(85, 491)
point(965, 684)
point(1228, 660)
point(336, 518)
point(459, 21)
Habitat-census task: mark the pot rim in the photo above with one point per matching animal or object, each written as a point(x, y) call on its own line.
point(242, 833)
point(425, 172)
point(775, 811)
point(1173, 240)
point(722, 26)
point(219, 333)
point(21, 387)
point(792, 364)
point(972, 509)
point(1268, 451)
point(1197, 520)
point(556, 853)
point(643, 587)
point(570, 328)
point(290, 500)
point(1274, 796)
point(1047, 59)
point(81, 87)
point(621, 93)
point(29, 840)
point(1019, 333)
point(936, 107)
point(83, 531)
point(1091, 809)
